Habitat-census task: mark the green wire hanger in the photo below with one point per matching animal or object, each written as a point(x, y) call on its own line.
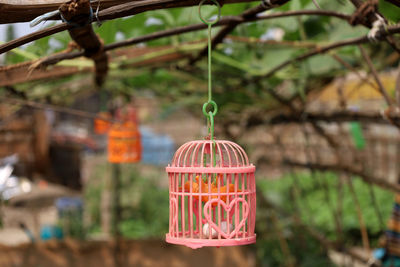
point(210, 114)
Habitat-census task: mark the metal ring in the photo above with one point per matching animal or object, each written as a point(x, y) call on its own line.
point(219, 12)
point(212, 104)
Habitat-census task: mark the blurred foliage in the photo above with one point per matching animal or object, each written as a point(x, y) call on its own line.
point(305, 193)
point(71, 223)
point(304, 250)
point(144, 202)
point(308, 193)
point(148, 218)
point(92, 197)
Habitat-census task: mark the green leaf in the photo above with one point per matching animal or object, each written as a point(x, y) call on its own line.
point(389, 11)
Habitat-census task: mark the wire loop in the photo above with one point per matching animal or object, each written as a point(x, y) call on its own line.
point(215, 108)
point(219, 12)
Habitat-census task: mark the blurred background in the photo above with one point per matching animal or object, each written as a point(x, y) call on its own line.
point(315, 109)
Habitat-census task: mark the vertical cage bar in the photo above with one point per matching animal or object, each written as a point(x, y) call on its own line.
point(249, 190)
point(170, 208)
point(242, 195)
point(176, 179)
point(183, 204)
point(236, 204)
point(190, 205)
point(200, 208)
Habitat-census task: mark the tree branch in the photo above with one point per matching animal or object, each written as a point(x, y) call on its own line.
point(381, 182)
point(394, 2)
point(79, 11)
point(248, 14)
point(334, 117)
point(11, 13)
point(353, 41)
point(180, 30)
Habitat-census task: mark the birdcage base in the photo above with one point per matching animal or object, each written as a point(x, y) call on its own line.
point(195, 243)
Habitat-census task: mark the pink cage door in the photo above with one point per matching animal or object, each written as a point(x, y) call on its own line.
point(211, 204)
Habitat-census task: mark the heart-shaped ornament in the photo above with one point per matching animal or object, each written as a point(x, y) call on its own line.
point(209, 206)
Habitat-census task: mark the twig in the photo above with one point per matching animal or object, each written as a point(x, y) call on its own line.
point(282, 100)
point(324, 49)
point(33, 37)
point(112, 8)
point(363, 228)
point(331, 117)
point(376, 76)
point(296, 182)
point(372, 16)
point(381, 182)
point(248, 14)
point(315, 178)
point(180, 30)
point(376, 207)
point(289, 259)
point(397, 88)
point(316, 4)
point(394, 2)
point(76, 11)
point(356, 72)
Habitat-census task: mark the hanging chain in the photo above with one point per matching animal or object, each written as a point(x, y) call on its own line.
point(210, 114)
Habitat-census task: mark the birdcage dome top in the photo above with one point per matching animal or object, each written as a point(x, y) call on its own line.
point(197, 156)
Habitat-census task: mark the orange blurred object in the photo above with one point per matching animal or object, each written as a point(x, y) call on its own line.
point(214, 189)
point(124, 143)
point(101, 126)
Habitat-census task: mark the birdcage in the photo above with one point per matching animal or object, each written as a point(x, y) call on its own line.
point(212, 195)
point(124, 143)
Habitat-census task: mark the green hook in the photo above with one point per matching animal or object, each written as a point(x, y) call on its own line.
point(219, 12)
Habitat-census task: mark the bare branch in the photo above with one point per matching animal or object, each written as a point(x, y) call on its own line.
point(376, 76)
point(356, 72)
point(248, 14)
point(111, 9)
point(381, 182)
point(324, 49)
point(333, 117)
point(180, 30)
point(397, 88)
point(85, 37)
point(394, 2)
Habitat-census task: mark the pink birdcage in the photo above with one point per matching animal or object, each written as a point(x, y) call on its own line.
point(212, 195)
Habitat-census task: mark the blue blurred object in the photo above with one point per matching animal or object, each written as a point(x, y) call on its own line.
point(156, 149)
point(67, 204)
point(48, 232)
point(379, 253)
